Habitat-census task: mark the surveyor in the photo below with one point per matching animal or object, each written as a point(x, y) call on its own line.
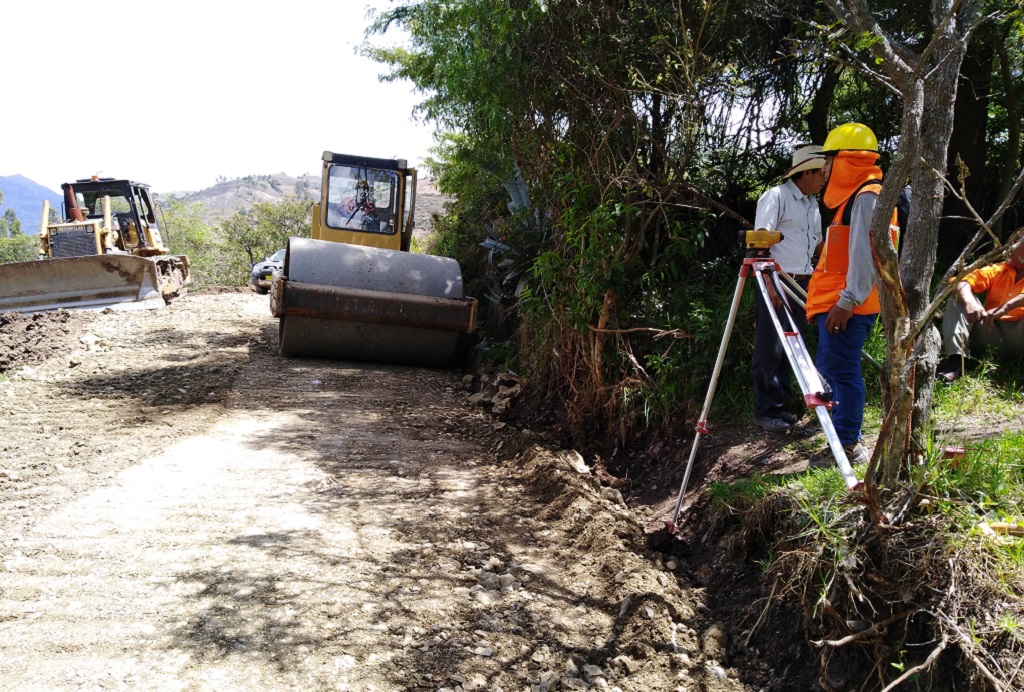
point(996, 324)
point(842, 298)
point(791, 209)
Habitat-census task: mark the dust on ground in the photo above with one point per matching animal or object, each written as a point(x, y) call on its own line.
point(181, 508)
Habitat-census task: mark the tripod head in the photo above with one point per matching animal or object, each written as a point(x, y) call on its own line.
point(757, 242)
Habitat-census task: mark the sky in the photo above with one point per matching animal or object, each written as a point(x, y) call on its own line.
point(177, 93)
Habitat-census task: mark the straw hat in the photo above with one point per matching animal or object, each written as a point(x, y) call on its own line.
point(806, 159)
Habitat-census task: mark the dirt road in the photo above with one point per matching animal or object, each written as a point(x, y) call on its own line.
point(181, 508)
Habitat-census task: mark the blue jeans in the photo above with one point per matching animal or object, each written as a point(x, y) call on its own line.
point(838, 359)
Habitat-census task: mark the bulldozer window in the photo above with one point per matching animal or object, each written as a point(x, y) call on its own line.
point(93, 202)
point(361, 199)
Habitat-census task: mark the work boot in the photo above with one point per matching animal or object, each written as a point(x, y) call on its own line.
point(856, 453)
point(789, 417)
point(952, 368)
point(772, 424)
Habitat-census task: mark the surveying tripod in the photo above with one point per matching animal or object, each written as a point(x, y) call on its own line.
point(817, 394)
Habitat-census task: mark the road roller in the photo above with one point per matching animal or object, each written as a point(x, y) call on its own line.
point(353, 291)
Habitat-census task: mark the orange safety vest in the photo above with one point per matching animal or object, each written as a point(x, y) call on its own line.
point(829, 277)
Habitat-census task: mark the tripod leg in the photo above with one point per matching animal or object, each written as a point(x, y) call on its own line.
point(794, 291)
point(701, 429)
point(807, 376)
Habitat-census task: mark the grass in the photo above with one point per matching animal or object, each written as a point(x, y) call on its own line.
point(947, 555)
point(992, 392)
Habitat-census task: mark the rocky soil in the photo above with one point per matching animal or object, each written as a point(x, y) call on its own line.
point(182, 508)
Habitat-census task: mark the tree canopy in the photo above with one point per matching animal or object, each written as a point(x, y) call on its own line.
point(644, 132)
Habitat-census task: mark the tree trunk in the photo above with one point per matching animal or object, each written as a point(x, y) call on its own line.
point(928, 88)
point(817, 117)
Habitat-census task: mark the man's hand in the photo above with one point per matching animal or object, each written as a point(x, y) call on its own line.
point(836, 319)
point(974, 311)
point(772, 295)
point(990, 317)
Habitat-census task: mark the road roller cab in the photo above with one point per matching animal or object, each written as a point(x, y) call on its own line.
point(366, 201)
point(353, 291)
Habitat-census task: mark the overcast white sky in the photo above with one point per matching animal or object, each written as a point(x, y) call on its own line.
point(176, 93)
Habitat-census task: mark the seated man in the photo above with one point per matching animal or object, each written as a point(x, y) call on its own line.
point(997, 324)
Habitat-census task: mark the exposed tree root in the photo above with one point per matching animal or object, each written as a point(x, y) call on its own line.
point(911, 600)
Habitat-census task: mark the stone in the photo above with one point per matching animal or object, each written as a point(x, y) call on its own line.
point(613, 496)
point(714, 642)
point(490, 581)
point(575, 460)
point(506, 392)
point(477, 682)
point(624, 664)
point(507, 379)
point(680, 661)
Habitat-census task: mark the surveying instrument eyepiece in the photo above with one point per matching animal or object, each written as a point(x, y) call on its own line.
point(817, 394)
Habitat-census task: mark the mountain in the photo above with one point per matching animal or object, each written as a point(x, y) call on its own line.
point(228, 196)
point(26, 197)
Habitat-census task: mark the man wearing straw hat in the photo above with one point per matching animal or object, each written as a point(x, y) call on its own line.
point(791, 209)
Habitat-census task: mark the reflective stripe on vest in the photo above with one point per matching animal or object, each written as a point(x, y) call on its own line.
point(829, 277)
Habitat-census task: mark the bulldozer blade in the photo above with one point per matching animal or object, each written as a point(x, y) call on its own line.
point(92, 282)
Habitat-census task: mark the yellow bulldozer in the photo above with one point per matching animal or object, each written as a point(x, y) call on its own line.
point(354, 291)
point(107, 251)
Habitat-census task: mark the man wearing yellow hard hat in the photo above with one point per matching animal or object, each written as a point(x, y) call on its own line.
point(842, 298)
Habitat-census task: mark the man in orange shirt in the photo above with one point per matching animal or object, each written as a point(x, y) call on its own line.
point(996, 324)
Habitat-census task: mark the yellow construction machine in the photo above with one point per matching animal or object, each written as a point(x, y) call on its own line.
point(106, 252)
point(354, 291)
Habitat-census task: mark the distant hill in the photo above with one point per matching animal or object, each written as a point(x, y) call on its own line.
point(228, 196)
point(26, 197)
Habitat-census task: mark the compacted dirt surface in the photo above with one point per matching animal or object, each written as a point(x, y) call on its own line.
point(183, 509)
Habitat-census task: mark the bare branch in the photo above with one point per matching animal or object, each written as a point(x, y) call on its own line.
point(1008, 200)
point(850, 56)
point(939, 33)
point(658, 333)
point(898, 58)
point(962, 196)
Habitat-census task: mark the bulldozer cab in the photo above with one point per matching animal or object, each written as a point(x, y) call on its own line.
point(132, 227)
point(366, 201)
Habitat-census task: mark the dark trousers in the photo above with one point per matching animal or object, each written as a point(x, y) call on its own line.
point(772, 388)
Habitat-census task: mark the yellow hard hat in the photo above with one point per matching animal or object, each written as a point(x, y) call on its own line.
point(851, 136)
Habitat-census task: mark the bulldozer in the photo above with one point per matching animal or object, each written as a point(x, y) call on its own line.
point(107, 251)
point(354, 291)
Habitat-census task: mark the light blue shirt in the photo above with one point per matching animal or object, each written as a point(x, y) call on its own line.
point(785, 209)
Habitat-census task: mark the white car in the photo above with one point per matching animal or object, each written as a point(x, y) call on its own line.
point(263, 272)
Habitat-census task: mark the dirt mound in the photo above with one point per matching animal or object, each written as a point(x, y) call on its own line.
point(30, 339)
